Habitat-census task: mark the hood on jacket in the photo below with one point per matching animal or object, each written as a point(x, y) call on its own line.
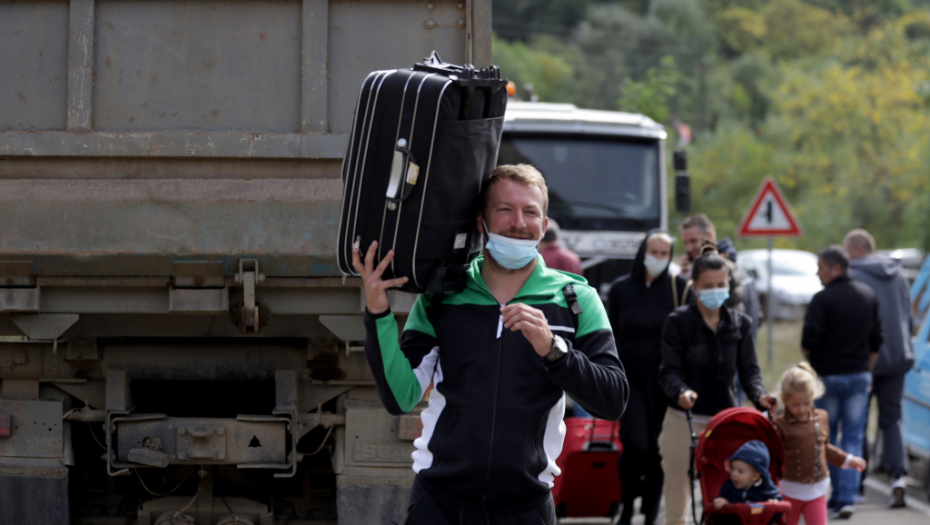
point(756, 454)
point(877, 265)
point(638, 273)
point(725, 247)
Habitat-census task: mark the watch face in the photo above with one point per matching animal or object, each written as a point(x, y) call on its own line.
point(559, 343)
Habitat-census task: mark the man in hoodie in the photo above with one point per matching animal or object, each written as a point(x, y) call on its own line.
point(895, 357)
point(750, 481)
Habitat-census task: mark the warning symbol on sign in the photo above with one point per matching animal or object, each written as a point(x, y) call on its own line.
point(769, 215)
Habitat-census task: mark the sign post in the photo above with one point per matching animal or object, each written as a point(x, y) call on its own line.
point(769, 216)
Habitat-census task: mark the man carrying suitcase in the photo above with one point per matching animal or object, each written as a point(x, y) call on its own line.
point(500, 356)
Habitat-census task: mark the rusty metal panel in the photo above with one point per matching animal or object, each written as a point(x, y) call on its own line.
point(37, 429)
point(33, 64)
point(371, 437)
point(403, 33)
point(204, 440)
point(19, 299)
point(207, 300)
point(197, 65)
point(196, 144)
point(144, 227)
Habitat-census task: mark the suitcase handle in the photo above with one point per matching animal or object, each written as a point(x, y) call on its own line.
point(404, 174)
point(592, 445)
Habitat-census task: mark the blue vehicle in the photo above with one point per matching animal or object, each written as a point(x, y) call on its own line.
point(917, 383)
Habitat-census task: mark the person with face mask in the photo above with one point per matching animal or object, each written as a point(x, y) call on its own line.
point(637, 305)
point(500, 355)
point(703, 345)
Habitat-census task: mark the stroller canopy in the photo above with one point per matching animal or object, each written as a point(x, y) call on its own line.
point(726, 433)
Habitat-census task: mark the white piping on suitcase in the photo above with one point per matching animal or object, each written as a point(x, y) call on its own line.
point(429, 161)
point(341, 253)
point(361, 170)
point(413, 126)
point(400, 118)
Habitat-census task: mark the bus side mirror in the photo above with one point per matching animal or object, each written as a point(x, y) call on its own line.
point(682, 182)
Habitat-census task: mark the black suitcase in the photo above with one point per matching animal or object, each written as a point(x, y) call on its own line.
point(423, 141)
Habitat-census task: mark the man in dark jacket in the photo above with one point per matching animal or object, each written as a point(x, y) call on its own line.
point(500, 356)
point(841, 338)
point(896, 356)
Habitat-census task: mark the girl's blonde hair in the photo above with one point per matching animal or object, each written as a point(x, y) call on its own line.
point(800, 379)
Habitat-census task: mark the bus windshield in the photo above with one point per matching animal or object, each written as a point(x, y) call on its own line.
point(592, 179)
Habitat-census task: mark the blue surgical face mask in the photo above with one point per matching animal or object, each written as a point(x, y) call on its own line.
point(714, 298)
point(512, 254)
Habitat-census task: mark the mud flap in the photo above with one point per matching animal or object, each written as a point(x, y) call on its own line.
point(28, 499)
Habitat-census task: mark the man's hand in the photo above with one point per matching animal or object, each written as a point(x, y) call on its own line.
point(687, 398)
point(375, 288)
point(719, 503)
point(685, 264)
point(532, 322)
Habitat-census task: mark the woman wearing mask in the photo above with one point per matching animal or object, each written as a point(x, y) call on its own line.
point(703, 345)
point(637, 306)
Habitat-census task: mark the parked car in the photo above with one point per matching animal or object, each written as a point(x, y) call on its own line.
point(794, 279)
point(917, 383)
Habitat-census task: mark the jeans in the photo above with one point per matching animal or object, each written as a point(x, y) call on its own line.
point(845, 400)
point(889, 389)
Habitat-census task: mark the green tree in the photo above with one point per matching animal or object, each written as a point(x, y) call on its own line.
point(651, 95)
point(550, 75)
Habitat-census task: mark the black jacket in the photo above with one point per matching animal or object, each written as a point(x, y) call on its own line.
point(841, 327)
point(695, 357)
point(493, 428)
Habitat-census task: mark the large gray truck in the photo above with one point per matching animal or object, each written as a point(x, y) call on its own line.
point(178, 345)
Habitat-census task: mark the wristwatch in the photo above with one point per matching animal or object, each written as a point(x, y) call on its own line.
point(559, 349)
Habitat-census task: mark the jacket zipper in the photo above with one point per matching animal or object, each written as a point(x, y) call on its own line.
point(497, 378)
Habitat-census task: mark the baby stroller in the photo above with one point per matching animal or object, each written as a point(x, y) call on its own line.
point(726, 432)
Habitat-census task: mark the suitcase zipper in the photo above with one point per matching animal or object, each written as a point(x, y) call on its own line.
point(429, 162)
point(413, 123)
point(347, 161)
point(364, 154)
point(397, 138)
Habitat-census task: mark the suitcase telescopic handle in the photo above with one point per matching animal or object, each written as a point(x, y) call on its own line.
point(404, 174)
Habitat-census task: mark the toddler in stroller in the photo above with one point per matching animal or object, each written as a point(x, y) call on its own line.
point(725, 438)
point(750, 481)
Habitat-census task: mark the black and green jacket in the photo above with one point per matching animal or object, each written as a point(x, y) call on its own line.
point(493, 428)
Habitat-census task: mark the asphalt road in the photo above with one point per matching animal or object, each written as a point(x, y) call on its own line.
point(873, 511)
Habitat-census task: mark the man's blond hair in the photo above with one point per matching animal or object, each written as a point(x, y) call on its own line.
point(523, 174)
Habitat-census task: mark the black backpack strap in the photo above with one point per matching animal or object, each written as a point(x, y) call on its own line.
point(434, 308)
point(571, 297)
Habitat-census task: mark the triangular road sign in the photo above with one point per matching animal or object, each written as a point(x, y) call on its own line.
point(769, 215)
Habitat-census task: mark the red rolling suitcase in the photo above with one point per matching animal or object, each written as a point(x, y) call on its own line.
point(423, 141)
point(590, 481)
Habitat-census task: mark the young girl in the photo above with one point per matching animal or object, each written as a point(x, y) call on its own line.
point(806, 434)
